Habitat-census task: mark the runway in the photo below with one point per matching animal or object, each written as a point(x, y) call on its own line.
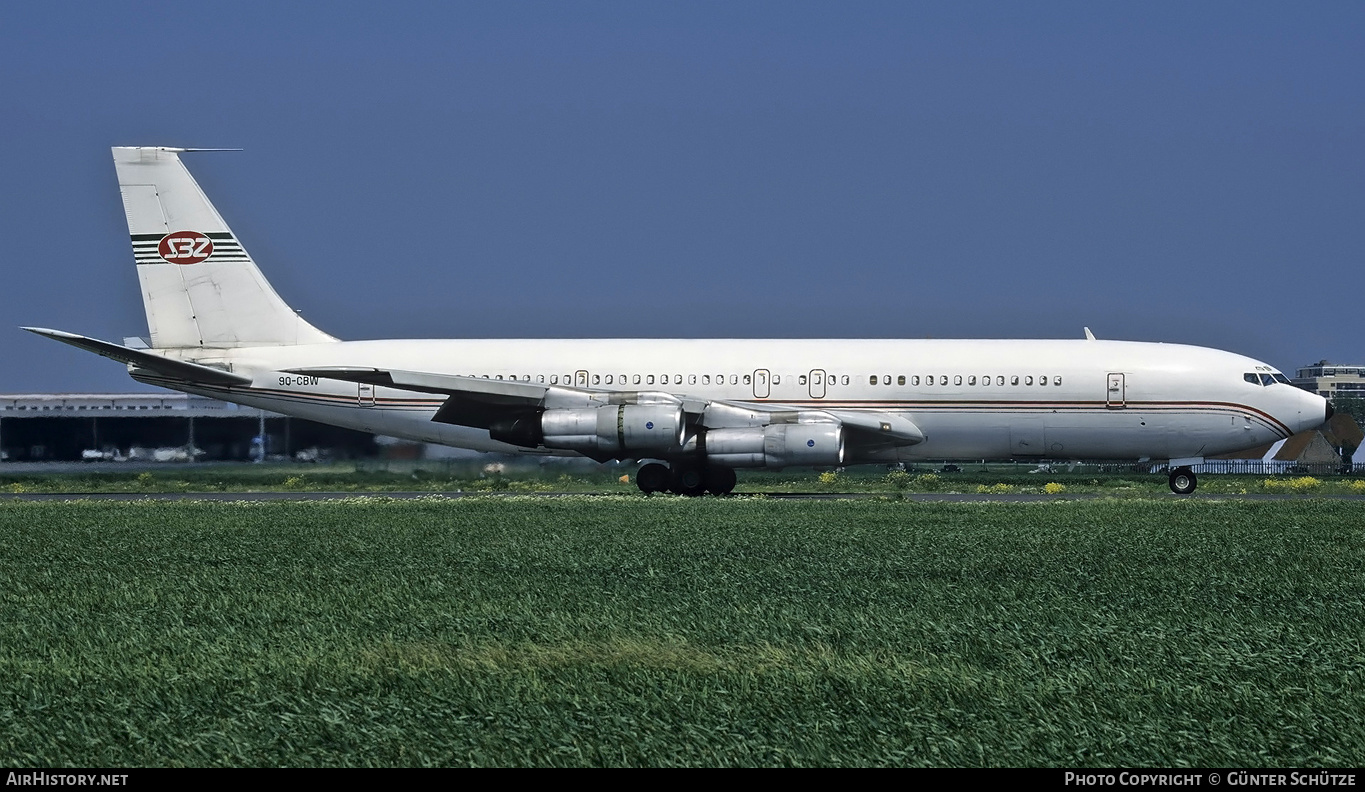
point(922, 497)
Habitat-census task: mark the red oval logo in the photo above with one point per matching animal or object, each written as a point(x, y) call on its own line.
point(185, 247)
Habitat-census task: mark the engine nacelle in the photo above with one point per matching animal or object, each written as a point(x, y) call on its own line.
point(776, 445)
point(615, 429)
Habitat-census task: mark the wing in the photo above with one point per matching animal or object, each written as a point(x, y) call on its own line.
point(605, 424)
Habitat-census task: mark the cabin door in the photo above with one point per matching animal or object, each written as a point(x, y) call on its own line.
point(1116, 396)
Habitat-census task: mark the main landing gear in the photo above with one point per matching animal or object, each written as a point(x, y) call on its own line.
point(690, 480)
point(1183, 481)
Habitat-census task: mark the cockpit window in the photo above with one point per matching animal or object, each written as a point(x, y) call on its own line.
point(1252, 378)
point(1266, 379)
point(1282, 379)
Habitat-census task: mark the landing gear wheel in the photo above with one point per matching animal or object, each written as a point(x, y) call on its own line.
point(720, 480)
point(1183, 481)
point(688, 480)
point(652, 478)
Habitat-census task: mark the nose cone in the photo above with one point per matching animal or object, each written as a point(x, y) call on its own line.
point(1313, 410)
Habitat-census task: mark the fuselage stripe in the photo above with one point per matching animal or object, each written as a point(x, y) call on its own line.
point(921, 406)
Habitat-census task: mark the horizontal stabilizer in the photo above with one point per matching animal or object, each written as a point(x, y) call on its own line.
point(176, 369)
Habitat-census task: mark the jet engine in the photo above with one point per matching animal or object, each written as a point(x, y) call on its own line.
point(776, 445)
point(596, 431)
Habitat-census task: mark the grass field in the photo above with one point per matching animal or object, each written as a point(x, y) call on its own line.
point(671, 631)
point(474, 476)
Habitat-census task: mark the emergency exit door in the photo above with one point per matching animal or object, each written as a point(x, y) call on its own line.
point(762, 384)
point(817, 384)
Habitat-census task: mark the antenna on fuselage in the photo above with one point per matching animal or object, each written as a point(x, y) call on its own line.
point(1089, 336)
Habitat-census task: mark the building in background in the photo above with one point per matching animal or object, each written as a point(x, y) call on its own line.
point(162, 427)
point(1330, 379)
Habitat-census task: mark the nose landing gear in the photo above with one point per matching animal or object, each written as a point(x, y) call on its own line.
point(690, 480)
point(1183, 481)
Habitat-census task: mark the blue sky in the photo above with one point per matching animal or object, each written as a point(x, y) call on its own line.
point(1185, 172)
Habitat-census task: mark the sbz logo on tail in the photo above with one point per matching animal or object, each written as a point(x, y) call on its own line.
point(185, 247)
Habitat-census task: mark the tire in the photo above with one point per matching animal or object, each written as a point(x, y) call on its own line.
point(720, 480)
point(652, 478)
point(688, 480)
point(1183, 481)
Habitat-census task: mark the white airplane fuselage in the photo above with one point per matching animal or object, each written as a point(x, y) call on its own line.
point(704, 407)
point(989, 399)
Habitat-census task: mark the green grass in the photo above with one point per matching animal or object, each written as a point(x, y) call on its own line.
point(671, 631)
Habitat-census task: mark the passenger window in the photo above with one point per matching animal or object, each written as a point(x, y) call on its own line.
point(900, 380)
point(635, 379)
point(886, 380)
point(499, 376)
point(914, 380)
point(734, 379)
point(554, 379)
point(1056, 380)
point(1028, 380)
point(801, 380)
point(706, 379)
point(999, 380)
point(677, 379)
point(957, 380)
point(608, 379)
point(649, 379)
point(597, 379)
point(691, 379)
point(986, 380)
point(778, 380)
point(844, 379)
point(971, 380)
point(1014, 380)
point(1042, 380)
point(746, 378)
point(872, 380)
point(943, 379)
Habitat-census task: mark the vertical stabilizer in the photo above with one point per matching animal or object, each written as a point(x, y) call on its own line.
point(199, 285)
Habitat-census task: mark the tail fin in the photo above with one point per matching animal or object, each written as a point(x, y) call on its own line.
point(199, 285)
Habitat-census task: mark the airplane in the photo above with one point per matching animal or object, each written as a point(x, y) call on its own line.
point(691, 411)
